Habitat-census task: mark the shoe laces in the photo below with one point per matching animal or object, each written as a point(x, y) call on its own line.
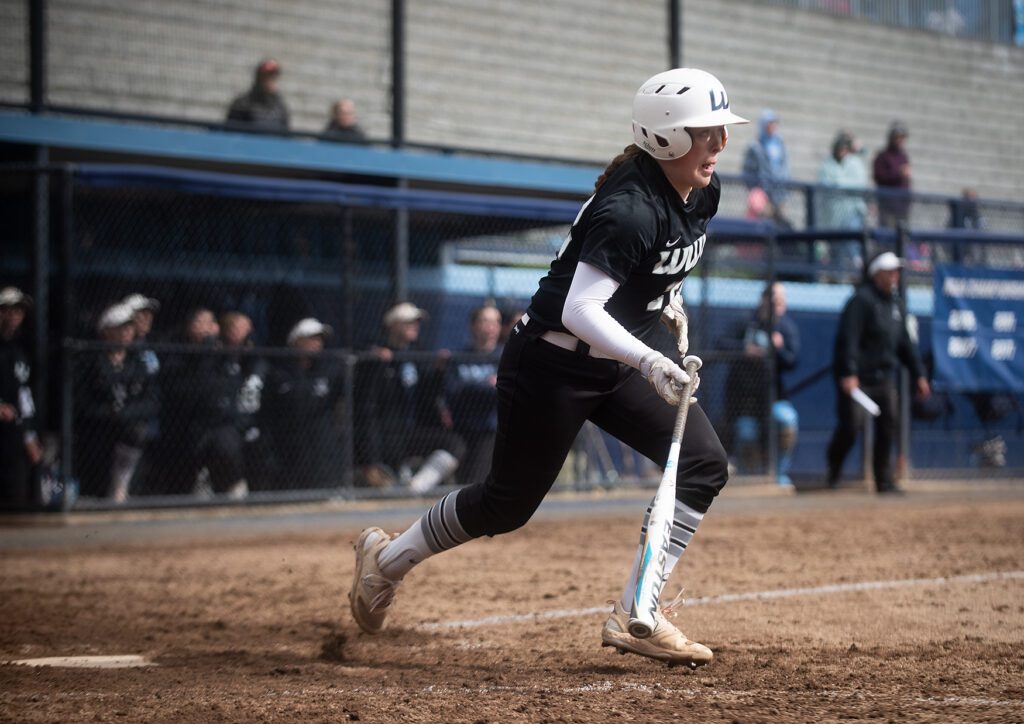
point(669, 609)
point(382, 590)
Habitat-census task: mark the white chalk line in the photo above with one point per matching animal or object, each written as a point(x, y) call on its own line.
point(736, 597)
point(713, 693)
point(122, 661)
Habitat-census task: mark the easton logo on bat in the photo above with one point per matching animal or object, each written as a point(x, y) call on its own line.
point(660, 558)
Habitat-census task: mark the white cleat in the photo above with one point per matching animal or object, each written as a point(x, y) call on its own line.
point(666, 643)
point(372, 593)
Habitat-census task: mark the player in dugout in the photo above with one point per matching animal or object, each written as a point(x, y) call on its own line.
point(581, 352)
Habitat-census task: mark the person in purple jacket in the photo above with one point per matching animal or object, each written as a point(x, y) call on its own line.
point(892, 174)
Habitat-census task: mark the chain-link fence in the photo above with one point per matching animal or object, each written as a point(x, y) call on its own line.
point(212, 337)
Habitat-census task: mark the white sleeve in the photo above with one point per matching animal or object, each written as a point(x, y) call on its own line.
point(584, 315)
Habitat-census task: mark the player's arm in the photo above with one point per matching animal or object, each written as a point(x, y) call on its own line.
point(585, 316)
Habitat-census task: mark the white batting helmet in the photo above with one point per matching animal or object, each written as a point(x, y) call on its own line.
point(670, 102)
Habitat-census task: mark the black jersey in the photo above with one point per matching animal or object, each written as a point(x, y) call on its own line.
point(637, 230)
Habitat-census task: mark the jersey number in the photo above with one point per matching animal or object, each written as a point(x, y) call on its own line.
point(659, 302)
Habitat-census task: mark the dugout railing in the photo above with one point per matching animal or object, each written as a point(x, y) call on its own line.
point(81, 238)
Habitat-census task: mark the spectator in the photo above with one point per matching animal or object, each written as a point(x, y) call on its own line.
point(844, 169)
point(402, 415)
point(342, 125)
point(20, 450)
point(200, 415)
point(892, 176)
point(872, 341)
point(261, 108)
point(966, 212)
point(246, 377)
point(766, 170)
point(470, 389)
point(770, 343)
point(303, 410)
point(115, 401)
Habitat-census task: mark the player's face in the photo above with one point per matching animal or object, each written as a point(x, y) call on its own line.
point(699, 162)
point(309, 344)
point(11, 317)
point(119, 335)
point(143, 322)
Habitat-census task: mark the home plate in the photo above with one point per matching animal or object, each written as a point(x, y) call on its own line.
point(127, 661)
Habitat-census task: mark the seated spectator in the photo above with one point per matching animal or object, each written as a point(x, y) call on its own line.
point(303, 410)
point(342, 125)
point(401, 413)
point(20, 450)
point(471, 391)
point(247, 376)
point(200, 435)
point(115, 401)
point(261, 107)
point(770, 341)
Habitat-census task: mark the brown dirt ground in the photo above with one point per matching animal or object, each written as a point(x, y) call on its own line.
point(257, 628)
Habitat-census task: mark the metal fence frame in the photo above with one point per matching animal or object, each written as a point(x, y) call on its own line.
point(52, 260)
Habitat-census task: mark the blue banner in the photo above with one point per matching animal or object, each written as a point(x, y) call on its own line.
point(978, 329)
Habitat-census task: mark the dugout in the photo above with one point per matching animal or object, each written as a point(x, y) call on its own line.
point(283, 249)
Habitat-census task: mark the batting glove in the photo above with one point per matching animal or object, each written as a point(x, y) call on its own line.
point(666, 377)
point(673, 316)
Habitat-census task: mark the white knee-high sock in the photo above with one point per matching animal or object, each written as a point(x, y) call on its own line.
point(684, 525)
point(437, 530)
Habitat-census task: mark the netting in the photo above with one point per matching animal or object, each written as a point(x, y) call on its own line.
point(224, 338)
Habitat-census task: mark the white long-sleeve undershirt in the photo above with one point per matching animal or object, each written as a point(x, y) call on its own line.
point(584, 315)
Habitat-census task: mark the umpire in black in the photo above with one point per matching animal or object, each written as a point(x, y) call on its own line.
point(871, 343)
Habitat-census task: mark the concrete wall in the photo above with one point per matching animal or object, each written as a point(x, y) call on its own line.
point(962, 100)
point(14, 52)
point(548, 77)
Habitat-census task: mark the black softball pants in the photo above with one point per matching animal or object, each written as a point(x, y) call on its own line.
point(545, 394)
point(850, 421)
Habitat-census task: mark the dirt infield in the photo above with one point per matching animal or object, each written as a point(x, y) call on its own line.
point(255, 629)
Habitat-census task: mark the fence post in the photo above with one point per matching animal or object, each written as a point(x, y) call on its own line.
point(67, 469)
point(347, 431)
point(809, 191)
point(902, 471)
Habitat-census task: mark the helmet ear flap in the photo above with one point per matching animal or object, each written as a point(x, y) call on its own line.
point(684, 144)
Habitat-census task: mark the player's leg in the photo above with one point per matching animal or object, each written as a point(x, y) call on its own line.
point(843, 437)
point(443, 452)
point(885, 434)
point(544, 396)
point(638, 417)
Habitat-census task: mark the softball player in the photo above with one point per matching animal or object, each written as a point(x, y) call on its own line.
point(579, 353)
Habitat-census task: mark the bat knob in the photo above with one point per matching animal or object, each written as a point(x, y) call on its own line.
point(639, 629)
point(692, 363)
